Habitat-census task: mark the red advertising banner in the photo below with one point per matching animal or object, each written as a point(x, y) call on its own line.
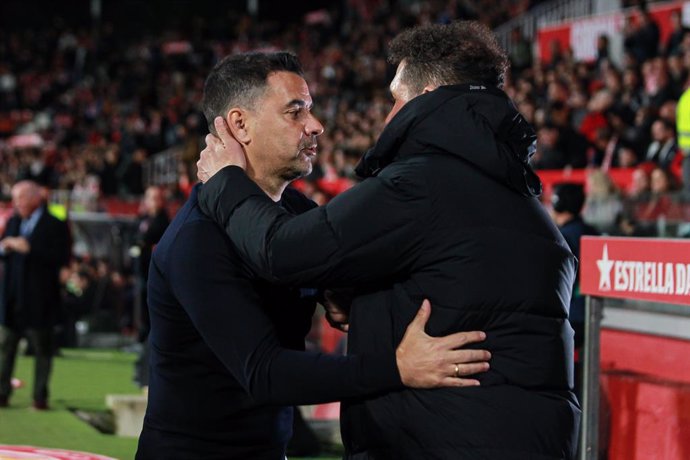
point(40, 453)
point(580, 35)
point(636, 268)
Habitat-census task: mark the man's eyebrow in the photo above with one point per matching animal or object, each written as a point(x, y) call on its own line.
point(298, 102)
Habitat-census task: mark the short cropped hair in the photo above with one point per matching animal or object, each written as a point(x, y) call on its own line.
point(568, 197)
point(239, 80)
point(447, 54)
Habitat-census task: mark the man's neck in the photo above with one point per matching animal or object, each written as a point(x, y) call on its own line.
point(272, 186)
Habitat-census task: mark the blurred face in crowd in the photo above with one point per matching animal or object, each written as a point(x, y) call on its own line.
point(153, 200)
point(280, 133)
point(660, 132)
point(668, 111)
point(630, 79)
point(547, 137)
point(627, 157)
point(660, 181)
point(640, 181)
point(26, 198)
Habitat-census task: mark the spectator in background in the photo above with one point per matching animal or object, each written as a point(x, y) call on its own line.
point(642, 39)
point(603, 204)
point(658, 87)
point(640, 132)
point(34, 246)
point(567, 201)
point(520, 52)
point(603, 152)
point(678, 32)
point(133, 179)
point(603, 53)
point(663, 148)
point(632, 92)
point(570, 142)
point(600, 103)
point(678, 74)
point(549, 155)
point(640, 186)
point(556, 52)
point(153, 221)
point(626, 157)
point(661, 202)
point(109, 171)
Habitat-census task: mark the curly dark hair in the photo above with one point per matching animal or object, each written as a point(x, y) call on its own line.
point(239, 80)
point(446, 54)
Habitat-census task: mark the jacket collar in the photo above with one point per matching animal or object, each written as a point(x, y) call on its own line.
point(475, 122)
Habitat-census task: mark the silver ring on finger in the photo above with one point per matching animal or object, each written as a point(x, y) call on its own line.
point(457, 371)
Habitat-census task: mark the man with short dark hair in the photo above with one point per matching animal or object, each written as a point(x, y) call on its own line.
point(448, 211)
point(663, 148)
point(227, 359)
point(567, 201)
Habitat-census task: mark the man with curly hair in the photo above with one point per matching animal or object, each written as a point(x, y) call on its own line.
point(447, 210)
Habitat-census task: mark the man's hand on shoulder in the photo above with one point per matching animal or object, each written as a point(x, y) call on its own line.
point(432, 362)
point(221, 151)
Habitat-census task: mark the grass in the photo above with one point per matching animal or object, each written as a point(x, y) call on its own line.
point(81, 379)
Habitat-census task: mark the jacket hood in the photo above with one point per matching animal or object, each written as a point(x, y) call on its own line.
point(476, 123)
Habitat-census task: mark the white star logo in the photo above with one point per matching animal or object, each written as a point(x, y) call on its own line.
point(605, 265)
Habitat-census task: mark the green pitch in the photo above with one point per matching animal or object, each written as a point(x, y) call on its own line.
point(81, 380)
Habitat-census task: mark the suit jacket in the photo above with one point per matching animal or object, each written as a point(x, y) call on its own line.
point(34, 299)
point(225, 351)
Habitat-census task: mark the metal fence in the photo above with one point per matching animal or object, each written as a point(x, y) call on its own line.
point(541, 15)
point(163, 168)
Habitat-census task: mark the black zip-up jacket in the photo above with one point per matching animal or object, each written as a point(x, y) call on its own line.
point(448, 212)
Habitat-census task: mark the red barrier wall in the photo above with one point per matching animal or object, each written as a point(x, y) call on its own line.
point(622, 177)
point(647, 382)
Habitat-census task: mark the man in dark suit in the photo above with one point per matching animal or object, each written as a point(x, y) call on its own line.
point(227, 349)
point(34, 247)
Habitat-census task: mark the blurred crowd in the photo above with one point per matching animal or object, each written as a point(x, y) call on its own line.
point(601, 116)
point(96, 298)
point(83, 109)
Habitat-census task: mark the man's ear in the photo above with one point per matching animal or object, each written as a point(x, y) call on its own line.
point(237, 122)
point(429, 88)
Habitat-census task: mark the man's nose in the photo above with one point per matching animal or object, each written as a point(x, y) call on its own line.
point(313, 126)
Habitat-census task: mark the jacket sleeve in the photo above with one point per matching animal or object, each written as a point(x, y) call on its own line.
point(369, 233)
point(227, 312)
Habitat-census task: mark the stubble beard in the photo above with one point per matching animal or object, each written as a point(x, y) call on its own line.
point(296, 171)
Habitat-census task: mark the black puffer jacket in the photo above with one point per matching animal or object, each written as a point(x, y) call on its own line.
point(449, 213)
